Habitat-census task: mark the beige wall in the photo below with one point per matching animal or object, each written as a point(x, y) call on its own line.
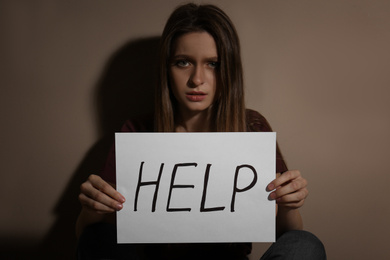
point(318, 70)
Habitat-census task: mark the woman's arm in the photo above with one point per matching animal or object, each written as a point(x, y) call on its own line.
point(289, 190)
point(99, 201)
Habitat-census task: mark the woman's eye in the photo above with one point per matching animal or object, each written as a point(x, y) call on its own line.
point(213, 64)
point(182, 63)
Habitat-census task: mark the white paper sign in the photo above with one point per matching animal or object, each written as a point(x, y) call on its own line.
point(195, 187)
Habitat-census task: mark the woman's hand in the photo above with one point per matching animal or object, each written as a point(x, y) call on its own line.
point(289, 189)
point(100, 196)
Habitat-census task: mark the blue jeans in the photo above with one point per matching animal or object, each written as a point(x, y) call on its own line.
point(99, 242)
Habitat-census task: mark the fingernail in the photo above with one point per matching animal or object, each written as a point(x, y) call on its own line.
point(122, 199)
point(270, 186)
point(271, 196)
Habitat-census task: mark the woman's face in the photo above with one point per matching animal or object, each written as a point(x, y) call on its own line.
point(193, 72)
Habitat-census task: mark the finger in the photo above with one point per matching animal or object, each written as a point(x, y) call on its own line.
point(291, 187)
point(292, 204)
point(95, 205)
point(282, 179)
point(271, 185)
point(106, 188)
point(96, 195)
point(292, 198)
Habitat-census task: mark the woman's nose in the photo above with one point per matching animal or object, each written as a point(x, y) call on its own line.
point(197, 77)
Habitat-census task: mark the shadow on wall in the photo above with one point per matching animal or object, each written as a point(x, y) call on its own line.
point(125, 90)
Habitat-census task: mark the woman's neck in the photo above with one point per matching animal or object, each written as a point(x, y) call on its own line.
point(193, 122)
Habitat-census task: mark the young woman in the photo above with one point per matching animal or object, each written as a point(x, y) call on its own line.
point(200, 89)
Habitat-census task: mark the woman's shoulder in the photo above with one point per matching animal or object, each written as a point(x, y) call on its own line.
point(256, 122)
point(143, 123)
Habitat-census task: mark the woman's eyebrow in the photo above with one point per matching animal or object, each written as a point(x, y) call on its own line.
point(213, 58)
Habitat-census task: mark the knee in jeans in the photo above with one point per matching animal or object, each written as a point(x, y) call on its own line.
point(296, 245)
point(310, 238)
point(310, 243)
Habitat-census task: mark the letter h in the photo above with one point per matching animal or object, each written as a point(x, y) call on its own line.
point(140, 183)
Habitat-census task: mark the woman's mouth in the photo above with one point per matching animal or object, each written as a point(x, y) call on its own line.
point(196, 96)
